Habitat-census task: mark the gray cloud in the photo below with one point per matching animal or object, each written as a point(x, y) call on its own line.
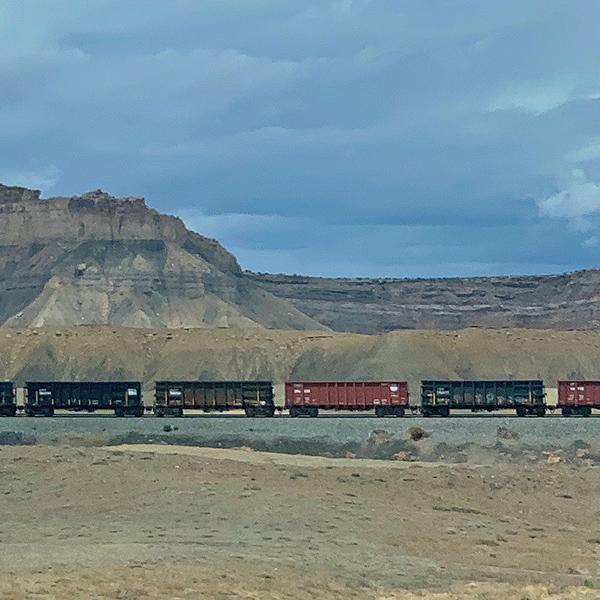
point(321, 136)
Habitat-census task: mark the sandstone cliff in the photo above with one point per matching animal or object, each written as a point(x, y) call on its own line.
point(105, 260)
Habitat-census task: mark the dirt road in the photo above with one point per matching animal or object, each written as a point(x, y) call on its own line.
point(175, 522)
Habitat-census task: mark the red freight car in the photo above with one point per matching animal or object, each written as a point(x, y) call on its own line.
point(386, 397)
point(578, 397)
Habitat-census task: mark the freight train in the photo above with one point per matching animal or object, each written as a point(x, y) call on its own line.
point(302, 398)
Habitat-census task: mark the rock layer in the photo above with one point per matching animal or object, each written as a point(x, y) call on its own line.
point(570, 300)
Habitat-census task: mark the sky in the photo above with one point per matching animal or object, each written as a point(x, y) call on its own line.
point(338, 138)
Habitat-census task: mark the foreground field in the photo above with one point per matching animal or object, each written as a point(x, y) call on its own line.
point(136, 522)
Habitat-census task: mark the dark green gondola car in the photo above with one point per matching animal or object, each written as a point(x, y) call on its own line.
point(526, 397)
point(8, 405)
point(123, 397)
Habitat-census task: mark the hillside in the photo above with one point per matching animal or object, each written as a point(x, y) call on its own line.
point(99, 259)
point(101, 352)
point(570, 300)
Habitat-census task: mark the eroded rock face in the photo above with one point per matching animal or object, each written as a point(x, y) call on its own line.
point(570, 300)
point(99, 259)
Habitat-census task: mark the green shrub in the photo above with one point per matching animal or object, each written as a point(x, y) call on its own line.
point(417, 433)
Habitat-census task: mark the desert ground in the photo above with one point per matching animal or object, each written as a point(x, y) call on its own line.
point(140, 522)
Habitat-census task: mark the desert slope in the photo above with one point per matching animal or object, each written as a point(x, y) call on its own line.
point(100, 352)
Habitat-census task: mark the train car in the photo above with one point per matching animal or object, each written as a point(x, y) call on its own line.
point(8, 405)
point(387, 398)
point(578, 397)
point(44, 397)
point(526, 397)
point(255, 398)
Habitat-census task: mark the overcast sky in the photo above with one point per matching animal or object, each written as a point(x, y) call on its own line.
point(323, 137)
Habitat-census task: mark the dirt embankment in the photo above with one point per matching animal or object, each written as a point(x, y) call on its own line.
point(98, 352)
point(402, 445)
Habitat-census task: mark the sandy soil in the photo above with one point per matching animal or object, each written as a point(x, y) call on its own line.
point(155, 522)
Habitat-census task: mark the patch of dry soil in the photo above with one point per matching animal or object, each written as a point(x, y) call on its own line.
point(153, 522)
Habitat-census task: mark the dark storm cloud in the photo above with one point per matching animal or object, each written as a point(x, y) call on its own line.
point(337, 137)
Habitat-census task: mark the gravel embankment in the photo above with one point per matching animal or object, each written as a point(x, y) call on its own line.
point(457, 439)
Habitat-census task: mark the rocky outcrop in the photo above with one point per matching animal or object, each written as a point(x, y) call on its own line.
point(570, 300)
point(96, 259)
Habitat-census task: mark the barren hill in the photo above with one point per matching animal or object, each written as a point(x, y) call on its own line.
point(570, 300)
point(99, 259)
point(102, 352)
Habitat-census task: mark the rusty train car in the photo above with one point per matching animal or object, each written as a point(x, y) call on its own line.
point(578, 398)
point(386, 398)
point(255, 398)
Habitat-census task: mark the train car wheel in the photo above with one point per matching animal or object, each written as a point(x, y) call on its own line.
point(399, 411)
point(313, 412)
point(566, 411)
point(521, 411)
point(539, 411)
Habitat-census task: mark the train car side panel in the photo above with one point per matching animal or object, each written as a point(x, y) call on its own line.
point(525, 396)
point(307, 398)
point(8, 405)
point(256, 398)
point(578, 397)
point(124, 397)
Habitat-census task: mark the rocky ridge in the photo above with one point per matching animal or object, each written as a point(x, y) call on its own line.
point(570, 300)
